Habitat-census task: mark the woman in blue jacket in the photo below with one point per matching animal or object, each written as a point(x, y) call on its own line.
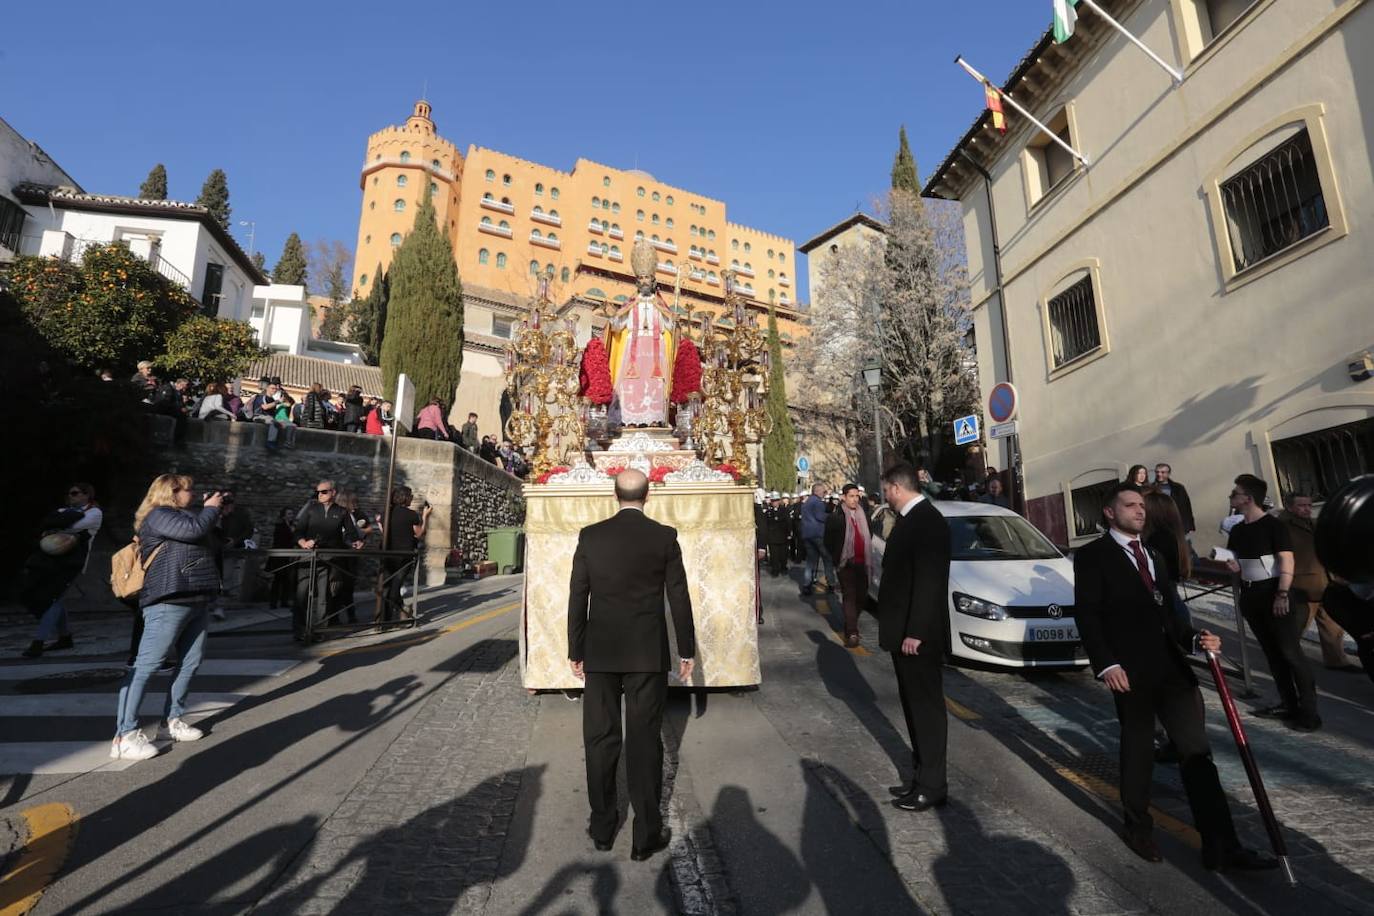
point(180, 581)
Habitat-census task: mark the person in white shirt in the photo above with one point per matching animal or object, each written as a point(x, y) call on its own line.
point(69, 532)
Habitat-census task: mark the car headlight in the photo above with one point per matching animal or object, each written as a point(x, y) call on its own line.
point(977, 607)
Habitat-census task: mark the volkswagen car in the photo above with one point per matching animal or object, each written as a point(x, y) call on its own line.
point(1010, 589)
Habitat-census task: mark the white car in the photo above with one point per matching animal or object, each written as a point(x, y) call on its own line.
point(1010, 589)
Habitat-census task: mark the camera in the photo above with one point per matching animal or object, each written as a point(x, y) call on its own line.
point(1345, 532)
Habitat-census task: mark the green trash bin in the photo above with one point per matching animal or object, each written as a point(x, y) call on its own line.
point(506, 548)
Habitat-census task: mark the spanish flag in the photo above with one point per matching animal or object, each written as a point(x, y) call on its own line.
point(999, 120)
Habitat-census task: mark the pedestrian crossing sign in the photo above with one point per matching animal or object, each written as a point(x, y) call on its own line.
point(966, 430)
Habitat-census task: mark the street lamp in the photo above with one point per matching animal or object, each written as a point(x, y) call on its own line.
point(873, 378)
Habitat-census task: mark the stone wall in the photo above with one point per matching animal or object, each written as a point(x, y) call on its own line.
point(469, 495)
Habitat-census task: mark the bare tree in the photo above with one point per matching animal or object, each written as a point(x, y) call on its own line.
point(331, 264)
point(903, 298)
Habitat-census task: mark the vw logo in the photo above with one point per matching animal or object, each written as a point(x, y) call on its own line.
point(1055, 611)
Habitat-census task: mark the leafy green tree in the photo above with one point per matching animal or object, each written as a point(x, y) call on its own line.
point(154, 187)
point(424, 319)
point(214, 196)
point(108, 312)
point(780, 447)
point(291, 265)
point(332, 325)
point(210, 349)
point(259, 261)
point(367, 318)
point(904, 177)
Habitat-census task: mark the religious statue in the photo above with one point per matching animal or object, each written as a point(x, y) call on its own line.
point(641, 336)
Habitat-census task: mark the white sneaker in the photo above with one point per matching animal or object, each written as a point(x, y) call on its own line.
point(178, 730)
point(133, 746)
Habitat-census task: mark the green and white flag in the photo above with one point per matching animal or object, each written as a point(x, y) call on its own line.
point(1065, 16)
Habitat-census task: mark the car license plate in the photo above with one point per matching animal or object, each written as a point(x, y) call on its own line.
point(1053, 634)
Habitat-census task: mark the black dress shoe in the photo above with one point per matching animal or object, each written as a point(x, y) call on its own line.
point(1277, 711)
point(919, 801)
point(34, 650)
point(601, 846)
point(1239, 859)
point(905, 788)
point(63, 642)
point(1304, 723)
point(1143, 846)
point(655, 846)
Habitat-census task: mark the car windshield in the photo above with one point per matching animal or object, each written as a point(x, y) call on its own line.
point(997, 537)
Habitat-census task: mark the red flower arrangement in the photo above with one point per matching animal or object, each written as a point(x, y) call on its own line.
point(615, 471)
point(595, 373)
point(544, 477)
point(728, 469)
point(686, 372)
point(658, 473)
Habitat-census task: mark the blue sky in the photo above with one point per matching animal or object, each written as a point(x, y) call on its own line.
point(787, 112)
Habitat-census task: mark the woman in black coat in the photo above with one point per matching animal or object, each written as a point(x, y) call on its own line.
point(176, 546)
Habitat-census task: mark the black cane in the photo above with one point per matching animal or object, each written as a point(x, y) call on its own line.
point(1247, 757)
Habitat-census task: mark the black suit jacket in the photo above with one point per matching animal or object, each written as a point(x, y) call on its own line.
point(913, 595)
point(621, 569)
point(1179, 493)
point(1119, 620)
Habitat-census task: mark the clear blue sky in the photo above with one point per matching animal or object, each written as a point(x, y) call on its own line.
point(787, 112)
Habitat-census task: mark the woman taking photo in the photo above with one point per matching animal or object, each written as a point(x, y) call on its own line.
point(175, 544)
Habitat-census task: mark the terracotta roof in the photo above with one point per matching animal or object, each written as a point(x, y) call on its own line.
point(304, 371)
point(841, 226)
point(71, 198)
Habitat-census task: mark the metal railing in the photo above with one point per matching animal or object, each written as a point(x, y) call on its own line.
point(1211, 578)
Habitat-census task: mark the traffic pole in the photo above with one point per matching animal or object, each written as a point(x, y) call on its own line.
point(1247, 757)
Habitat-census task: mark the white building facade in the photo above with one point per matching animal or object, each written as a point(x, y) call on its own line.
point(21, 162)
point(1198, 294)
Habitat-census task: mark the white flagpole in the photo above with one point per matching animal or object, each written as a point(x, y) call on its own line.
point(1176, 76)
point(1025, 114)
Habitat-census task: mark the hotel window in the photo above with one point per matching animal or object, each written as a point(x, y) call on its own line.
point(615, 207)
point(538, 189)
point(670, 242)
point(362, 281)
point(534, 268)
point(605, 181)
point(488, 196)
point(501, 260)
point(735, 264)
point(502, 327)
point(483, 256)
point(748, 266)
point(711, 253)
point(564, 275)
point(668, 222)
point(553, 192)
point(486, 221)
point(639, 215)
point(655, 237)
point(436, 163)
point(734, 246)
point(395, 239)
point(505, 180)
point(553, 213)
point(491, 176)
point(405, 155)
point(375, 179)
point(1087, 507)
point(506, 201)
point(748, 248)
point(615, 249)
point(639, 192)
point(605, 226)
point(1046, 163)
point(1073, 323)
point(605, 248)
point(669, 201)
point(654, 219)
point(536, 234)
point(433, 187)
point(772, 294)
point(505, 225)
point(639, 235)
point(605, 203)
point(615, 227)
point(398, 205)
point(770, 273)
point(548, 271)
point(537, 209)
point(372, 206)
point(367, 240)
point(596, 203)
point(552, 236)
point(711, 234)
point(654, 197)
point(1275, 202)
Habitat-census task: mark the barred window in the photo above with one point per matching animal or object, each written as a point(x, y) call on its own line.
point(1318, 463)
point(1274, 203)
point(1073, 323)
point(1087, 507)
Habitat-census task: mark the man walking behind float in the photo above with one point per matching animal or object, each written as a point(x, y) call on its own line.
point(618, 644)
point(913, 602)
point(1137, 645)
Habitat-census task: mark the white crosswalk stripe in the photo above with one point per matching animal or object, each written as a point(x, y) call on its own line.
point(89, 711)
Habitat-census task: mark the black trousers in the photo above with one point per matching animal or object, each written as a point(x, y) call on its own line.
point(644, 694)
point(920, 682)
point(1178, 706)
point(1281, 640)
point(329, 596)
point(777, 557)
point(398, 574)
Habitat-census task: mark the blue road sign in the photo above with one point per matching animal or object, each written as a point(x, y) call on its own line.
point(966, 430)
point(803, 464)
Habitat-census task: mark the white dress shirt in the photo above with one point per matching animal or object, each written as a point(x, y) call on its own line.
point(910, 505)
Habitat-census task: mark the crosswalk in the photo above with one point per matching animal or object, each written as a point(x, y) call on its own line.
point(59, 718)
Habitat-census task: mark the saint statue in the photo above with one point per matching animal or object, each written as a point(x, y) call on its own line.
point(641, 337)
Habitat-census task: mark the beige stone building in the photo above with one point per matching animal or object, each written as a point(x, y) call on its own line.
point(1198, 293)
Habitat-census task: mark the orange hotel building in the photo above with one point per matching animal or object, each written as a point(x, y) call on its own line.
point(510, 220)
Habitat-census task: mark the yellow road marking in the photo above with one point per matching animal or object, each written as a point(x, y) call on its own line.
point(960, 710)
point(424, 638)
point(836, 637)
point(51, 832)
point(1103, 789)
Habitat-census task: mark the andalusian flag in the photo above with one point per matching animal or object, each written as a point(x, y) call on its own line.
point(999, 120)
point(1065, 16)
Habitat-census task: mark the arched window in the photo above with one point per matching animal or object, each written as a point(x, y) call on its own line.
point(770, 273)
point(534, 268)
point(491, 176)
point(595, 293)
point(770, 252)
point(605, 226)
point(711, 253)
point(605, 248)
point(538, 189)
point(615, 227)
point(362, 281)
point(398, 205)
point(639, 215)
point(615, 249)
point(772, 294)
point(433, 188)
point(375, 179)
point(488, 196)
point(671, 242)
point(615, 207)
point(505, 180)
point(505, 225)
point(553, 192)
point(606, 204)
point(655, 236)
point(506, 201)
point(639, 192)
point(537, 209)
point(606, 181)
point(734, 244)
point(553, 236)
point(395, 239)
point(553, 213)
point(748, 266)
point(735, 264)
point(639, 235)
point(536, 234)
point(548, 271)
point(654, 219)
point(402, 181)
point(711, 234)
point(482, 256)
point(747, 247)
point(501, 260)
point(654, 197)
point(372, 206)
point(670, 200)
point(564, 275)
point(436, 163)
point(367, 240)
point(668, 222)
point(405, 155)
point(712, 276)
point(596, 202)
point(621, 298)
point(486, 221)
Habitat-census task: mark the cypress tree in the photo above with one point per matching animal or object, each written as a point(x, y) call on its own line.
point(367, 318)
point(424, 313)
point(291, 265)
point(904, 177)
point(154, 187)
point(780, 447)
point(259, 261)
point(214, 196)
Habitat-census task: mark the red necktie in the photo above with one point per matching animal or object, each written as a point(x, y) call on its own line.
point(1143, 565)
point(858, 542)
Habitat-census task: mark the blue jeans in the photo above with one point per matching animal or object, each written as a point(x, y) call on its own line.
point(164, 626)
point(53, 623)
point(815, 549)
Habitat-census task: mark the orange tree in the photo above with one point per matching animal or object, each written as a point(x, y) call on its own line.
point(210, 349)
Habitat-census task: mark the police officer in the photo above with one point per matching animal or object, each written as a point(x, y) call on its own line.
point(777, 529)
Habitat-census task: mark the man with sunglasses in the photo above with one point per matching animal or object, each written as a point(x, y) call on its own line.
point(322, 525)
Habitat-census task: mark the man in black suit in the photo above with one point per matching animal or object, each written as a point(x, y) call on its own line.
point(1123, 602)
point(618, 644)
point(913, 606)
